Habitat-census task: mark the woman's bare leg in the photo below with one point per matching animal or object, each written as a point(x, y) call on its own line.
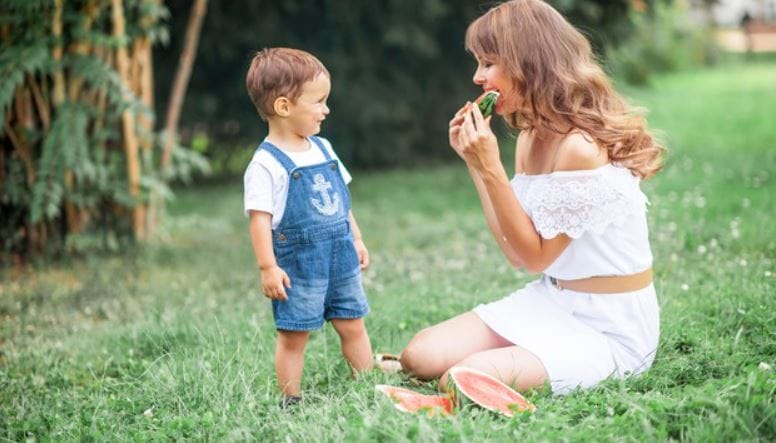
point(435, 349)
point(512, 365)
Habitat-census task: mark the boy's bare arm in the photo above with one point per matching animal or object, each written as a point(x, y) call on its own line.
point(274, 280)
point(358, 242)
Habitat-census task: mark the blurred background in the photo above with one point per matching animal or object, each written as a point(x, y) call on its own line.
point(109, 104)
point(130, 305)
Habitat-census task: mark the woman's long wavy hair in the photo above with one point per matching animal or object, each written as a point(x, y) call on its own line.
point(564, 88)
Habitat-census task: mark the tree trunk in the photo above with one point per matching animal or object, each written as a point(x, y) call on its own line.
point(128, 124)
point(182, 79)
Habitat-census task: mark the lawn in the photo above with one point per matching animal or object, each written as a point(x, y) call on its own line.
point(175, 342)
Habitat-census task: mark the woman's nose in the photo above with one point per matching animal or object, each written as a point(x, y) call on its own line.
point(478, 78)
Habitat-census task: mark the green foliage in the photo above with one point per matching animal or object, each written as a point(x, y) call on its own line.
point(175, 343)
point(663, 41)
point(66, 150)
point(15, 62)
point(399, 70)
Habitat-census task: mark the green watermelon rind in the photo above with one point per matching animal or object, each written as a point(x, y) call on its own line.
point(455, 375)
point(488, 103)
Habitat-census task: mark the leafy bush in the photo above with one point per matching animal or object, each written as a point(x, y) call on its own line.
point(662, 40)
point(77, 164)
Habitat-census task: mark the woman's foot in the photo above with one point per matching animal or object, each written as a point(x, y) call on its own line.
point(388, 363)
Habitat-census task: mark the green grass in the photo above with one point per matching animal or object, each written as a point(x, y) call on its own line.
point(174, 341)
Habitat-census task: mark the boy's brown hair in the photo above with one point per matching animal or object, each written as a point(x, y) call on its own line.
point(280, 72)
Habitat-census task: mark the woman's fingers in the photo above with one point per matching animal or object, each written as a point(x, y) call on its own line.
point(479, 120)
point(468, 128)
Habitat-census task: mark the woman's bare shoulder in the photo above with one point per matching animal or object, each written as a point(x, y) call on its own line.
point(578, 151)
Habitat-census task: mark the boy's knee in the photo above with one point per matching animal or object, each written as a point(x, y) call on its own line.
point(292, 340)
point(350, 329)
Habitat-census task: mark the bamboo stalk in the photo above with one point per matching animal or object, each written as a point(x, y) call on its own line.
point(21, 108)
point(23, 151)
point(41, 103)
point(147, 123)
point(128, 123)
point(90, 12)
point(59, 76)
point(182, 78)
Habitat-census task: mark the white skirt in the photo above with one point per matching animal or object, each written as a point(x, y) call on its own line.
point(581, 338)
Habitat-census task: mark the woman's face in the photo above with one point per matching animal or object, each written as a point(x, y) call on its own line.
point(491, 76)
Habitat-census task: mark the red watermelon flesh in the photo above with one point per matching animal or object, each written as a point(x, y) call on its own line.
point(489, 392)
point(411, 401)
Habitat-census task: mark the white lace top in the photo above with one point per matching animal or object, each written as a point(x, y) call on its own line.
point(604, 212)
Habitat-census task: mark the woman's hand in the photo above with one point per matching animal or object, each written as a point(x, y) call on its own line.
point(476, 142)
point(455, 130)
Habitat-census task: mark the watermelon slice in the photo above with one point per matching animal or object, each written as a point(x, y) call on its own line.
point(488, 392)
point(487, 102)
point(410, 401)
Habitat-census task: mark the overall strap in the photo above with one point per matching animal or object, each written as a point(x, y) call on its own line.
point(279, 155)
point(323, 148)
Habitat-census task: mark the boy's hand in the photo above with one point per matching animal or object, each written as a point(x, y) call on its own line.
point(363, 254)
point(274, 282)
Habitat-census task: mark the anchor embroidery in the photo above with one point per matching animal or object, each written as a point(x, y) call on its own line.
point(330, 205)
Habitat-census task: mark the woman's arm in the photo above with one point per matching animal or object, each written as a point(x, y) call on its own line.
point(487, 206)
point(493, 223)
point(478, 146)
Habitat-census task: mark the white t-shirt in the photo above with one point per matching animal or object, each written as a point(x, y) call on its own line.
point(266, 180)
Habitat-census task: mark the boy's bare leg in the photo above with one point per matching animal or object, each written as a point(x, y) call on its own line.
point(355, 343)
point(289, 360)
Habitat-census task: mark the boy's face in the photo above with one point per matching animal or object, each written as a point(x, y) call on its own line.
point(309, 110)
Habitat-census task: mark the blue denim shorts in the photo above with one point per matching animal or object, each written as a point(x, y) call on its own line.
point(320, 288)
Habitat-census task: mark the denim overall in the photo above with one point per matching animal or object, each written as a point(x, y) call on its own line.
point(314, 245)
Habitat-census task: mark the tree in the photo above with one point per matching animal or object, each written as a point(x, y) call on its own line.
point(77, 159)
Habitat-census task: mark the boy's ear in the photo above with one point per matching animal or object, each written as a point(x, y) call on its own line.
point(282, 106)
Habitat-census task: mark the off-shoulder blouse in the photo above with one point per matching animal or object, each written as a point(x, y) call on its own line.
point(604, 212)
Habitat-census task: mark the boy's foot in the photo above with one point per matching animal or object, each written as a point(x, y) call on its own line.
point(388, 363)
point(288, 401)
